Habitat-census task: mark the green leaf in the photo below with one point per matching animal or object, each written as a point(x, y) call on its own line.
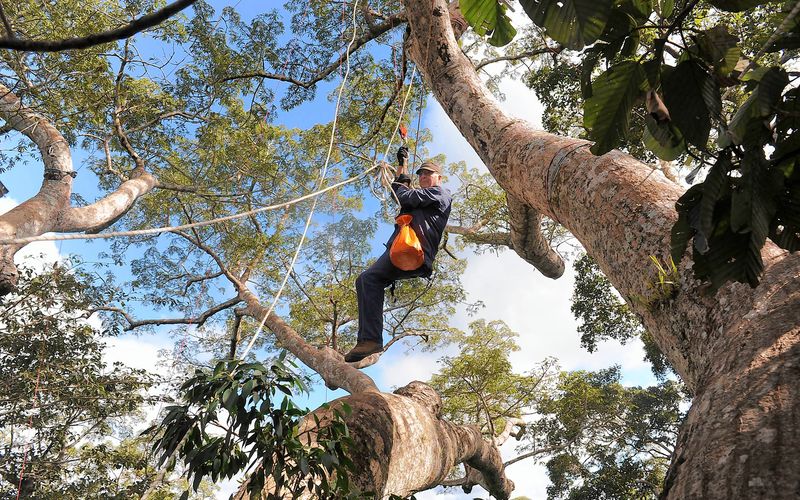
point(749, 124)
point(663, 139)
point(719, 48)
point(229, 398)
point(607, 113)
point(587, 67)
point(642, 7)
point(736, 5)
point(716, 186)
point(572, 23)
point(247, 388)
point(619, 30)
point(785, 226)
point(787, 126)
point(664, 8)
point(682, 231)
point(752, 202)
point(692, 97)
point(489, 17)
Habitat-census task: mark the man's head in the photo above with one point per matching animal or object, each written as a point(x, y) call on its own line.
point(430, 174)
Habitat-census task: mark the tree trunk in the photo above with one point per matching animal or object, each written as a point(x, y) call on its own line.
point(738, 350)
point(403, 446)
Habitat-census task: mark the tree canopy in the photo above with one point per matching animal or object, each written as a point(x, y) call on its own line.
point(184, 116)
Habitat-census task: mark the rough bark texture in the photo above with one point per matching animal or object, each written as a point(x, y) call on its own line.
point(525, 238)
point(737, 350)
point(49, 210)
point(403, 446)
point(528, 240)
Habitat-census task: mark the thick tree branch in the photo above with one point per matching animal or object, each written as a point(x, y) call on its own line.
point(36, 215)
point(105, 212)
point(472, 235)
point(328, 363)
point(130, 29)
point(528, 240)
point(535, 453)
point(511, 424)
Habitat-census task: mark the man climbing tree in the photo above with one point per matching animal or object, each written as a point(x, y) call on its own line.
point(429, 208)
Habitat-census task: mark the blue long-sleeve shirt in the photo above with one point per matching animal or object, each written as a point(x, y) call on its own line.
point(429, 209)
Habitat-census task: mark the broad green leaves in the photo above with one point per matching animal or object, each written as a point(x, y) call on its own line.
point(607, 111)
point(664, 8)
point(573, 23)
point(736, 5)
point(489, 17)
point(692, 98)
point(749, 125)
point(263, 424)
point(747, 197)
point(663, 138)
point(719, 48)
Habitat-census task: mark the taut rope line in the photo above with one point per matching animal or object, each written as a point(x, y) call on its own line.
point(323, 172)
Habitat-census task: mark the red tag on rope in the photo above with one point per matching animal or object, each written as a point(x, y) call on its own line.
point(403, 131)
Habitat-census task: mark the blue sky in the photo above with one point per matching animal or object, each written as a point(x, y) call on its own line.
point(535, 307)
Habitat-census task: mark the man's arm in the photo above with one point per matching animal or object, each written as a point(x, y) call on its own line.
point(402, 172)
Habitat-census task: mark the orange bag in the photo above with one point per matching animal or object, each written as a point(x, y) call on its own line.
point(406, 251)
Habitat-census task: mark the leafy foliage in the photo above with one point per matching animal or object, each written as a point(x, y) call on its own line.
point(606, 112)
point(616, 441)
point(241, 414)
point(598, 438)
point(489, 17)
point(603, 315)
point(573, 23)
point(727, 101)
point(59, 401)
point(479, 384)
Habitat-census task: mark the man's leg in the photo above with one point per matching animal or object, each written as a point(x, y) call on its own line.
point(370, 291)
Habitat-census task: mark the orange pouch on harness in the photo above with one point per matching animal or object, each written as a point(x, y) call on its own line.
point(406, 251)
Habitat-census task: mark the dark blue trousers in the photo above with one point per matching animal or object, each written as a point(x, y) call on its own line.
point(370, 290)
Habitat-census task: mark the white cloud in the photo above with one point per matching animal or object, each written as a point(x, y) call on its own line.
point(399, 368)
point(440, 494)
point(136, 352)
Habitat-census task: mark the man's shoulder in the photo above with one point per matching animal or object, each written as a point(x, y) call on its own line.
point(445, 193)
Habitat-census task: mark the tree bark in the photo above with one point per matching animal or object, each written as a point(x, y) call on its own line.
point(738, 350)
point(50, 210)
point(402, 445)
point(525, 238)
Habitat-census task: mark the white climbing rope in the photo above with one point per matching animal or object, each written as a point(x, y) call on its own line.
point(166, 229)
point(323, 172)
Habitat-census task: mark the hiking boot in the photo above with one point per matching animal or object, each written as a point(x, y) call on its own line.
point(362, 349)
